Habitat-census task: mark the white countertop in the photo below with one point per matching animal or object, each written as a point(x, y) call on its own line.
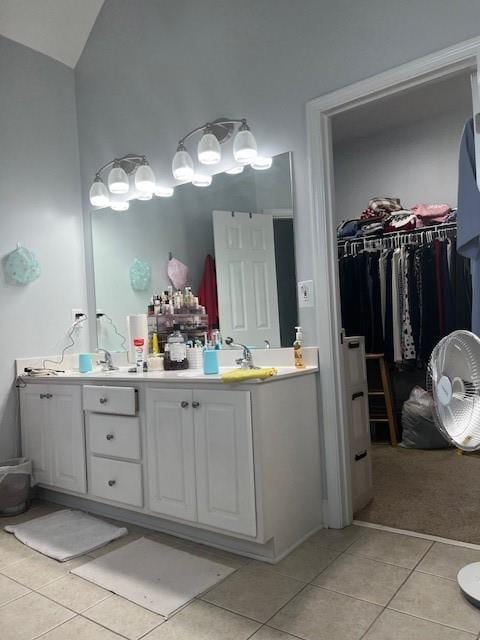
point(188, 376)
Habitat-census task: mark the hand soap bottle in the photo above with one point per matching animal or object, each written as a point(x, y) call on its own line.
point(298, 349)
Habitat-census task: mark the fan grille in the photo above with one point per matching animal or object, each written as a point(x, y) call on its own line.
point(457, 357)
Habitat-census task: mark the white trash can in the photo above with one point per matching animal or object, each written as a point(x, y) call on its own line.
point(15, 482)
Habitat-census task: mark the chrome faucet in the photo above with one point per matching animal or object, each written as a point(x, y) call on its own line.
point(108, 362)
point(246, 362)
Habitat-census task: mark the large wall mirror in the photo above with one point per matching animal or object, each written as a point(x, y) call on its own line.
point(244, 222)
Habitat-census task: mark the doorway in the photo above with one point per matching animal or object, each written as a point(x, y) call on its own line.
point(320, 114)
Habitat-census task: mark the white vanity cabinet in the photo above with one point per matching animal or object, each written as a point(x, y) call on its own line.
point(200, 457)
point(53, 434)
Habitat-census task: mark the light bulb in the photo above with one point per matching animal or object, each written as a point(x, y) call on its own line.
point(201, 180)
point(144, 178)
point(208, 150)
point(145, 196)
point(120, 205)
point(99, 193)
point(234, 170)
point(118, 180)
point(164, 192)
point(244, 145)
point(261, 163)
point(182, 164)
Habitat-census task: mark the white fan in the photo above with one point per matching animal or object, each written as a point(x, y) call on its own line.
point(454, 381)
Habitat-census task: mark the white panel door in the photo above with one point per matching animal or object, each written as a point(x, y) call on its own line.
point(246, 277)
point(67, 437)
point(171, 453)
point(34, 428)
point(224, 456)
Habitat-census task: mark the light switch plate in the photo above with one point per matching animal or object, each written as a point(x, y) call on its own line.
point(305, 294)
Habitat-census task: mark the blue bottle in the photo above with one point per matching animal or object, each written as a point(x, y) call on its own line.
point(210, 361)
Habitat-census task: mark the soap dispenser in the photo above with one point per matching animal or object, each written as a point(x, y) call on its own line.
point(298, 349)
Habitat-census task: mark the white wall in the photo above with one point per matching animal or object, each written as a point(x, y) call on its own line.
point(417, 163)
point(40, 208)
point(153, 70)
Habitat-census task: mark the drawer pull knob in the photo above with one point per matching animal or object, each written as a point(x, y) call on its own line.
point(109, 436)
point(112, 483)
point(184, 404)
point(360, 456)
point(103, 400)
point(195, 404)
point(359, 394)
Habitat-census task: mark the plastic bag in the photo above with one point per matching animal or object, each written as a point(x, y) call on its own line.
point(16, 465)
point(419, 430)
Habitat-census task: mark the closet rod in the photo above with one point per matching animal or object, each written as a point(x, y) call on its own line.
point(448, 226)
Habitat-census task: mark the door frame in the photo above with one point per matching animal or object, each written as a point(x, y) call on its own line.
point(319, 111)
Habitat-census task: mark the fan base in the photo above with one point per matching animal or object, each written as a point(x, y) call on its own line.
point(468, 579)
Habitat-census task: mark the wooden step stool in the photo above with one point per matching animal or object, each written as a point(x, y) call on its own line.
point(386, 413)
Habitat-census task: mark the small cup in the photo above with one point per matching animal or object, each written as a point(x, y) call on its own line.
point(84, 362)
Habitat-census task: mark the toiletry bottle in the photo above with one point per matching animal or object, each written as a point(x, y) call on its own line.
point(138, 343)
point(155, 347)
point(176, 355)
point(298, 349)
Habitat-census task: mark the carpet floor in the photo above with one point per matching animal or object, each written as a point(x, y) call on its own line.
point(433, 492)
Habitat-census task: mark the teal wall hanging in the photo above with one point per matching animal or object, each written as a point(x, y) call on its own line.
point(140, 274)
point(21, 266)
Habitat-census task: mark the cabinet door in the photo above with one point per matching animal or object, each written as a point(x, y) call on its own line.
point(34, 428)
point(362, 481)
point(67, 438)
point(224, 460)
point(171, 453)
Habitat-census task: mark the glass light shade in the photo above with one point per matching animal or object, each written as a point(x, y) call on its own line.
point(144, 179)
point(164, 192)
point(235, 170)
point(120, 205)
point(118, 180)
point(201, 180)
point(244, 146)
point(261, 163)
point(99, 194)
point(145, 196)
point(182, 165)
point(208, 150)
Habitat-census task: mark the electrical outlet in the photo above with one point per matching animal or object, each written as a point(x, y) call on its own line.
point(78, 314)
point(305, 294)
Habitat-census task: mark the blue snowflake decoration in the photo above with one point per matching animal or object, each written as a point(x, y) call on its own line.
point(21, 266)
point(140, 274)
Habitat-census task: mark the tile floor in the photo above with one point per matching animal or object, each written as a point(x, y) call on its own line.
point(353, 584)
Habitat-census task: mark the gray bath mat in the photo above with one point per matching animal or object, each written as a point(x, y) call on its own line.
point(66, 534)
point(154, 575)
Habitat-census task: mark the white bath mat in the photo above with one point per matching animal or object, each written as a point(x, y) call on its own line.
point(66, 534)
point(153, 575)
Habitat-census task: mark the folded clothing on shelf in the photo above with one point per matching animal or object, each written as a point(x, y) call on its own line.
point(428, 214)
point(400, 221)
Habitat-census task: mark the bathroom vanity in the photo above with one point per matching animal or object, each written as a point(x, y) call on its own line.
point(237, 466)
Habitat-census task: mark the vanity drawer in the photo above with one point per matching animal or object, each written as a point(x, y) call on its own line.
point(116, 480)
point(116, 400)
point(116, 436)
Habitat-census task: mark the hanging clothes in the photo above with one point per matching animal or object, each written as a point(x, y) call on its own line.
point(404, 300)
point(207, 294)
point(468, 216)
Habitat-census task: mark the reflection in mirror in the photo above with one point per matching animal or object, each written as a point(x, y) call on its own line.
point(235, 239)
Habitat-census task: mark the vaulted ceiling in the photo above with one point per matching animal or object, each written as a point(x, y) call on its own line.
point(57, 28)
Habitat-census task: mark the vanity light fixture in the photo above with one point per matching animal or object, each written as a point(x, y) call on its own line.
point(235, 170)
point(161, 191)
point(201, 180)
point(118, 180)
point(145, 178)
point(209, 151)
point(99, 196)
point(120, 205)
point(145, 196)
point(261, 163)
